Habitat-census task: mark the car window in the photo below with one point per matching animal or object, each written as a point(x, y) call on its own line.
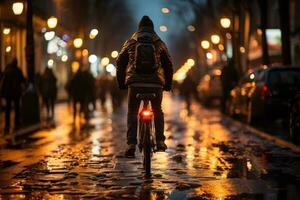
point(284, 77)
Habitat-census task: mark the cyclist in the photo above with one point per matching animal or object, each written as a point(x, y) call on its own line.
point(144, 66)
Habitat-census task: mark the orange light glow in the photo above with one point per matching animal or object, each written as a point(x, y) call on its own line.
point(147, 115)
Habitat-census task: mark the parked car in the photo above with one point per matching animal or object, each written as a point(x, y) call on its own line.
point(265, 94)
point(209, 87)
point(294, 119)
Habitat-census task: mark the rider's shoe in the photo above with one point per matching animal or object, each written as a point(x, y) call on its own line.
point(161, 146)
point(130, 151)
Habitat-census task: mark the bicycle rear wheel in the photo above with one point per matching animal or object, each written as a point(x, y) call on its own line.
point(147, 149)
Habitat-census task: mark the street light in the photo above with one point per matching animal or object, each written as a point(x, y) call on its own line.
point(205, 44)
point(8, 49)
point(49, 35)
point(163, 28)
point(52, 22)
point(165, 10)
point(85, 52)
point(64, 58)
point(6, 31)
point(191, 28)
point(215, 39)
point(105, 61)
point(221, 47)
point(92, 58)
point(209, 55)
point(75, 66)
point(77, 42)
point(18, 8)
point(225, 22)
point(114, 54)
point(93, 33)
point(190, 62)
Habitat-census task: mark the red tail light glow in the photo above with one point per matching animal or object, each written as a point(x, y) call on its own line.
point(146, 115)
point(265, 91)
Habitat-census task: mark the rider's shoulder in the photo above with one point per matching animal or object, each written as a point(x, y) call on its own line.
point(130, 42)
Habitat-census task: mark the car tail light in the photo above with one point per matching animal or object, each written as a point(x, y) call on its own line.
point(146, 115)
point(265, 91)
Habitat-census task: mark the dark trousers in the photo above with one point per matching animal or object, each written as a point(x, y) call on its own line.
point(224, 100)
point(9, 102)
point(49, 102)
point(133, 108)
point(83, 108)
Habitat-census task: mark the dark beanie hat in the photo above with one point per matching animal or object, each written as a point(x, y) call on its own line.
point(146, 22)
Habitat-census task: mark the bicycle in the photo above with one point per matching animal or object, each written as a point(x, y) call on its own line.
point(146, 130)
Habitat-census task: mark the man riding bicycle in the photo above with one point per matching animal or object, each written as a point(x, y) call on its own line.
point(144, 66)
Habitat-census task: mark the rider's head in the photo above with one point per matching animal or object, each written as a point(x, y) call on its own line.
point(146, 22)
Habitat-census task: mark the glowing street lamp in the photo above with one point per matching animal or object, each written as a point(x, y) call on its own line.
point(104, 61)
point(6, 31)
point(77, 42)
point(52, 22)
point(225, 22)
point(49, 35)
point(190, 62)
point(165, 10)
point(18, 8)
point(85, 52)
point(92, 58)
point(163, 28)
point(8, 49)
point(209, 55)
point(191, 28)
point(114, 54)
point(93, 33)
point(215, 39)
point(221, 47)
point(205, 44)
point(64, 58)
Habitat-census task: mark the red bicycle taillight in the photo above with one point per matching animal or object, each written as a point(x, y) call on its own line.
point(265, 91)
point(146, 115)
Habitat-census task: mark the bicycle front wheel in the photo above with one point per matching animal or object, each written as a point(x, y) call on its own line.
point(147, 150)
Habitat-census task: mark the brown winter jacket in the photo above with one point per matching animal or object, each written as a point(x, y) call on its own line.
point(126, 74)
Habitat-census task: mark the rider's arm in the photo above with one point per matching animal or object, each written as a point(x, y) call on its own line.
point(122, 62)
point(168, 67)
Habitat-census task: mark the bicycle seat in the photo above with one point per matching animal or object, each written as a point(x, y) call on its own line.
point(146, 96)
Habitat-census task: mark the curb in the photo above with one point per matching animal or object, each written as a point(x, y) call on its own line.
point(24, 131)
point(278, 141)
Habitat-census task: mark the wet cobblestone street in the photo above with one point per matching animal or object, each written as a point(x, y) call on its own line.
point(209, 157)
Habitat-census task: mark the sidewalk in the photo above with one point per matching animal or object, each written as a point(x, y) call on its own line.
point(4, 139)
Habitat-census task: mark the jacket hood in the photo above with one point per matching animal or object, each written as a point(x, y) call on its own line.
point(146, 22)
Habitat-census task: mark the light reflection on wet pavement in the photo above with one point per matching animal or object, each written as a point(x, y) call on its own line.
point(208, 158)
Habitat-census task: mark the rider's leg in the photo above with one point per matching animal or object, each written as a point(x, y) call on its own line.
point(133, 107)
point(159, 119)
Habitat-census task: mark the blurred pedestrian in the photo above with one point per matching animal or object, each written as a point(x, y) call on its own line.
point(102, 89)
point(117, 96)
point(48, 90)
point(187, 91)
point(80, 91)
point(12, 87)
point(91, 89)
point(229, 78)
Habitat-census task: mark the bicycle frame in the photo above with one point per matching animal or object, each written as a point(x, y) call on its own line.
point(146, 134)
point(146, 117)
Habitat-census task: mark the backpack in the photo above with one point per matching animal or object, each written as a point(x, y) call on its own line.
point(145, 59)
